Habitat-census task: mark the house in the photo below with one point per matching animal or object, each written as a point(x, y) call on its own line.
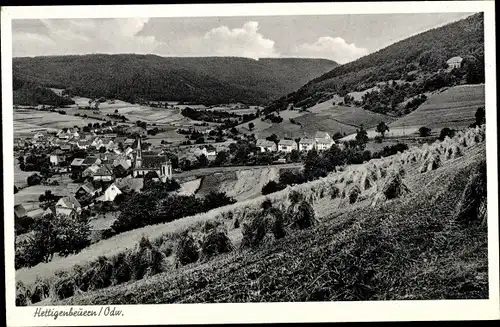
point(91, 160)
point(62, 135)
point(454, 62)
point(19, 211)
point(306, 144)
point(266, 146)
point(69, 202)
point(104, 173)
point(65, 147)
point(90, 171)
point(57, 157)
point(129, 184)
point(77, 164)
point(83, 144)
point(38, 136)
point(86, 189)
point(110, 194)
point(129, 142)
point(323, 141)
point(144, 164)
point(56, 211)
point(287, 145)
point(211, 155)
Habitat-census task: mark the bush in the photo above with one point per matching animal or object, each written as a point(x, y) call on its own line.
point(378, 139)
point(34, 179)
point(187, 250)
point(424, 131)
point(446, 132)
point(271, 187)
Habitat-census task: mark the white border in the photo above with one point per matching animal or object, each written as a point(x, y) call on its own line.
point(261, 312)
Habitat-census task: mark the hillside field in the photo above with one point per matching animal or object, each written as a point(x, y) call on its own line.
point(324, 116)
point(403, 217)
point(414, 237)
point(454, 107)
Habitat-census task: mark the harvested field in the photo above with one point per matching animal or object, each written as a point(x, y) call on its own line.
point(398, 224)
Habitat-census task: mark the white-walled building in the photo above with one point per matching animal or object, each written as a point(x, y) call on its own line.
point(287, 145)
point(306, 144)
point(454, 62)
point(323, 141)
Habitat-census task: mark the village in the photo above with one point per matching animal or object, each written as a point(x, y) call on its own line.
point(85, 171)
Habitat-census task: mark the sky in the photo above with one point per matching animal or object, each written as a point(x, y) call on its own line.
point(342, 38)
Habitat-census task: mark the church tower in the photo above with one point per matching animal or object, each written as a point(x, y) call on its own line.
point(138, 155)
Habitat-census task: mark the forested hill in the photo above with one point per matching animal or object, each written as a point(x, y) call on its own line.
point(206, 80)
point(417, 58)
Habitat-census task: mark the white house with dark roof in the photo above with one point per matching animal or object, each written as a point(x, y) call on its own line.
point(69, 202)
point(287, 145)
point(57, 157)
point(454, 62)
point(110, 193)
point(265, 145)
point(323, 141)
point(104, 173)
point(306, 144)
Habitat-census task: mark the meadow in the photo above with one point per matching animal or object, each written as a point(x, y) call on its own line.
point(428, 171)
point(454, 107)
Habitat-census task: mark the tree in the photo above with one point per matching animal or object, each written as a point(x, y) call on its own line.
point(34, 179)
point(446, 132)
point(47, 197)
point(15, 189)
point(480, 116)
point(361, 136)
point(382, 128)
point(102, 149)
point(216, 199)
point(58, 234)
point(251, 126)
point(202, 161)
point(221, 158)
point(424, 131)
point(116, 111)
point(271, 187)
point(273, 138)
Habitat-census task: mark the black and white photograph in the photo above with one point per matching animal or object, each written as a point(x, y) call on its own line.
point(168, 155)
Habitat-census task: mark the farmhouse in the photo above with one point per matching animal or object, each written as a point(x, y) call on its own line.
point(69, 202)
point(286, 145)
point(454, 62)
point(323, 141)
point(104, 173)
point(144, 164)
point(86, 189)
point(90, 171)
point(110, 194)
point(306, 144)
point(266, 146)
point(57, 157)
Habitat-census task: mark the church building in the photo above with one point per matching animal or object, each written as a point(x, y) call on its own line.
point(145, 163)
